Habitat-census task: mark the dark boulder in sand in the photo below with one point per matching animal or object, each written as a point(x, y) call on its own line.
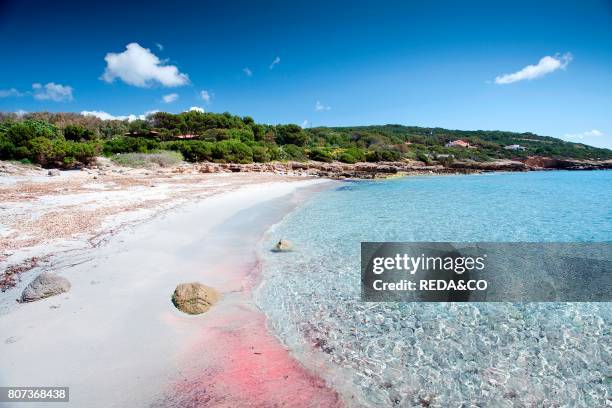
point(194, 298)
point(283, 246)
point(43, 286)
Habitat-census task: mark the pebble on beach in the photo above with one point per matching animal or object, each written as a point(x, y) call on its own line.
point(194, 298)
point(283, 246)
point(45, 285)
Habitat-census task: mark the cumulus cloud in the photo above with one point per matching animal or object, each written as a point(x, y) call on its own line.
point(170, 97)
point(305, 124)
point(247, 71)
point(319, 107)
point(138, 66)
point(275, 62)
point(21, 112)
point(206, 97)
point(545, 66)
point(195, 109)
point(107, 116)
point(52, 91)
point(7, 93)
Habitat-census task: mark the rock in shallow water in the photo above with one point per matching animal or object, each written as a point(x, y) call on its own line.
point(43, 286)
point(283, 246)
point(194, 298)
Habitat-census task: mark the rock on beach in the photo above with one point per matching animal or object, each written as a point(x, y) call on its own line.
point(45, 285)
point(194, 297)
point(283, 246)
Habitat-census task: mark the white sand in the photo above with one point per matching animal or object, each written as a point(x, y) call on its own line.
point(115, 338)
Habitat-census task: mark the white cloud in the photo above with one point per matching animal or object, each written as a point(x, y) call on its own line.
point(305, 124)
point(52, 91)
point(319, 107)
point(7, 93)
point(195, 109)
point(170, 97)
point(587, 134)
point(247, 71)
point(138, 66)
point(159, 46)
point(592, 137)
point(545, 66)
point(206, 97)
point(20, 112)
point(107, 116)
point(275, 62)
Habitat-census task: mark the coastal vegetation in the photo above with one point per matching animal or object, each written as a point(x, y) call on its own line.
point(69, 139)
point(163, 158)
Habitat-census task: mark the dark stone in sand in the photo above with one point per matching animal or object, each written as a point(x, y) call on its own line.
point(43, 286)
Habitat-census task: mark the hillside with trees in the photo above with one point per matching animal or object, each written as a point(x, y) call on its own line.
point(69, 139)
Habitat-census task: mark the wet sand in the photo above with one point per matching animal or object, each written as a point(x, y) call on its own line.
point(116, 339)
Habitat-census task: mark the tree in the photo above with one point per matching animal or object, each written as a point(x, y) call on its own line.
point(78, 133)
point(291, 134)
point(165, 120)
point(21, 132)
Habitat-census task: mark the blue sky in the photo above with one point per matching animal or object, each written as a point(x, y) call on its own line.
point(460, 65)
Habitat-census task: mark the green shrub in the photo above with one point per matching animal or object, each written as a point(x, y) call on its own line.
point(352, 155)
point(81, 152)
point(21, 132)
point(216, 135)
point(446, 161)
point(127, 144)
point(292, 152)
point(78, 133)
point(260, 154)
point(244, 135)
point(377, 155)
point(61, 152)
point(192, 150)
point(22, 152)
point(320, 154)
point(162, 158)
point(274, 152)
point(7, 148)
point(41, 150)
point(232, 151)
point(423, 157)
point(291, 134)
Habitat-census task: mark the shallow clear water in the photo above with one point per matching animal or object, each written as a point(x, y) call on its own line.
point(386, 354)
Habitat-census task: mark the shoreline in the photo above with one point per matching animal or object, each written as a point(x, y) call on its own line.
point(166, 357)
point(312, 298)
point(262, 370)
point(227, 357)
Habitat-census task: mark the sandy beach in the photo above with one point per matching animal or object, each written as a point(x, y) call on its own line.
point(124, 241)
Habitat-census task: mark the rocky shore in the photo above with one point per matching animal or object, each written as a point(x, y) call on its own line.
point(385, 169)
point(334, 170)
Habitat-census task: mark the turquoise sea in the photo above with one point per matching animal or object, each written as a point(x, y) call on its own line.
point(414, 354)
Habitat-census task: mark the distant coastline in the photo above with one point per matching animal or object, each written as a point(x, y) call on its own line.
point(365, 170)
point(221, 141)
